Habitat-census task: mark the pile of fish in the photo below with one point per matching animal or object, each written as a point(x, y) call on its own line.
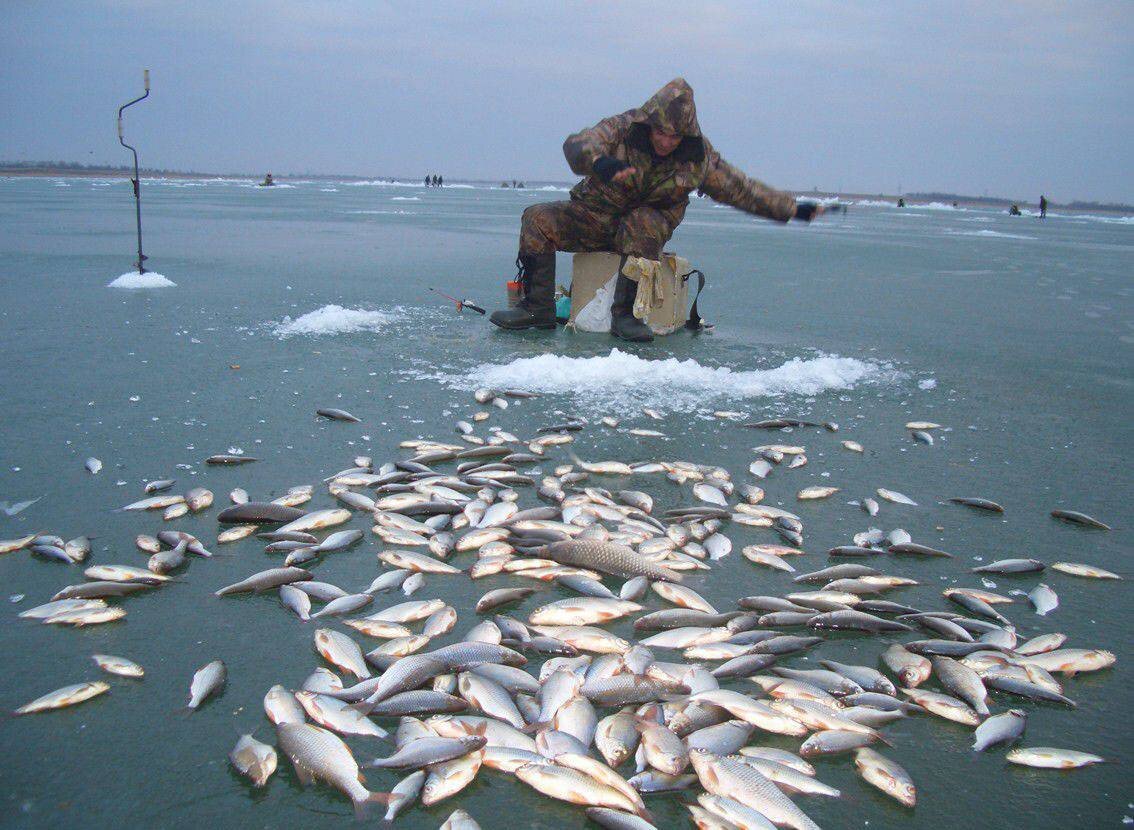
point(699, 701)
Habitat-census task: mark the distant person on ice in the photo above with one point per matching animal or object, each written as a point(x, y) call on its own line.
point(640, 168)
point(1043, 206)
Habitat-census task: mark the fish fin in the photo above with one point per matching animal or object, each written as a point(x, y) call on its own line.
point(533, 728)
point(361, 808)
point(306, 779)
point(363, 707)
point(479, 730)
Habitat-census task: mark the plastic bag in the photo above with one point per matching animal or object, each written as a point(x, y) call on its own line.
point(595, 315)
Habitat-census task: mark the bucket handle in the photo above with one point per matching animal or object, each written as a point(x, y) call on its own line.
point(695, 323)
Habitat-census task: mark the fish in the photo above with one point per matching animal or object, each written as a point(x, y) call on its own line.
point(663, 750)
point(1078, 569)
point(265, 581)
point(343, 605)
point(816, 493)
point(281, 707)
point(886, 775)
point(14, 509)
point(403, 793)
point(317, 754)
point(340, 650)
point(581, 611)
point(253, 512)
point(1046, 757)
point(425, 751)
point(943, 706)
point(1003, 728)
point(741, 782)
point(229, 460)
point(49, 609)
point(12, 545)
point(118, 665)
point(254, 760)
point(337, 415)
point(895, 497)
point(207, 681)
point(66, 696)
point(296, 600)
point(101, 589)
point(82, 617)
point(448, 778)
point(337, 715)
point(123, 573)
point(1044, 599)
point(199, 499)
point(963, 682)
point(573, 787)
point(1071, 661)
point(1010, 566)
point(155, 503)
point(1074, 517)
point(607, 557)
point(459, 820)
point(979, 504)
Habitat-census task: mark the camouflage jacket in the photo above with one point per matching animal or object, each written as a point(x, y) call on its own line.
point(665, 183)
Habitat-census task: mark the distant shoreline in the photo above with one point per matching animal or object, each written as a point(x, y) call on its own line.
point(912, 199)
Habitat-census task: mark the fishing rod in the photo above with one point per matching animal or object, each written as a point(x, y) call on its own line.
point(461, 304)
point(137, 186)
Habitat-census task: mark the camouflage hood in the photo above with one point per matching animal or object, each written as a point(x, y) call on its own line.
point(671, 109)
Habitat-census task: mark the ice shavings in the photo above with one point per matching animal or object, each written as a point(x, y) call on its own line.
point(334, 319)
point(670, 383)
point(147, 280)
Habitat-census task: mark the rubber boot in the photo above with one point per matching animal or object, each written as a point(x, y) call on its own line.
point(537, 308)
point(623, 324)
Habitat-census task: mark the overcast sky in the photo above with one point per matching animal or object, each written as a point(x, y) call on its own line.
point(1002, 98)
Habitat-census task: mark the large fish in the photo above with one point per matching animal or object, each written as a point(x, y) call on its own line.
point(607, 557)
point(320, 755)
point(739, 781)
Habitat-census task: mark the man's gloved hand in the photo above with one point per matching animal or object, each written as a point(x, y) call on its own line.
point(806, 211)
point(611, 169)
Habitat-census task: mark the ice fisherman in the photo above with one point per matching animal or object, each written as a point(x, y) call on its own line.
point(640, 168)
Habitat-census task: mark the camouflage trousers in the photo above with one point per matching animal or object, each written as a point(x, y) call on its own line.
point(571, 226)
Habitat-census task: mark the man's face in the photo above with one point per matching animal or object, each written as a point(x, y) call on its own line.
point(663, 143)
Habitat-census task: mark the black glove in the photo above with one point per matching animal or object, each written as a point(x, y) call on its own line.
point(607, 167)
point(805, 211)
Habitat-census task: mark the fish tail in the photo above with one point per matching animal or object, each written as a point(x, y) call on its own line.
point(533, 728)
point(364, 707)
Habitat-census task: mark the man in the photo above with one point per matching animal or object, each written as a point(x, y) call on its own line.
point(640, 168)
point(1043, 206)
